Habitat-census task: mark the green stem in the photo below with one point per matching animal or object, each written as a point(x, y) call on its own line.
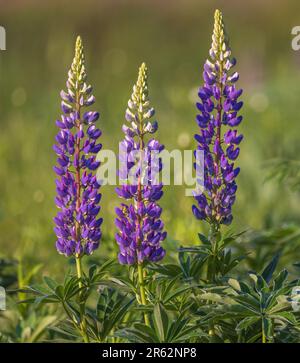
point(79, 270)
point(21, 295)
point(263, 336)
point(82, 317)
point(211, 270)
point(142, 291)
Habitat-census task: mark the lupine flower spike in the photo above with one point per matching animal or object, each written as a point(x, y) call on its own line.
point(219, 139)
point(139, 224)
point(77, 225)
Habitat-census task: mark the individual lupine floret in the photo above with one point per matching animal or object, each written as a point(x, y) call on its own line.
point(77, 225)
point(139, 224)
point(218, 138)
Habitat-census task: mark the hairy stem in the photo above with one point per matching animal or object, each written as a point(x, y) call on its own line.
point(82, 304)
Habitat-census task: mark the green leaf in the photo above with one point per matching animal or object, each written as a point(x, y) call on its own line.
point(161, 322)
point(107, 264)
point(234, 284)
point(186, 334)
point(140, 333)
point(249, 302)
point(52, 284)
point(247, 322)
point(59, 291)
point(177, 292)
point(227, 240)
point(285, 316)
point(92, 271)
point(270, 268)
point(203, 239)
point(267, 326)
point(280, 279)
point(42, 326)
point(171, 270)
point(215, 298)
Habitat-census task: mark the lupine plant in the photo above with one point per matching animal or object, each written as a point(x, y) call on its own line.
point(140, 227)
point(145, 294)
point(218, 139)
point(77, 227)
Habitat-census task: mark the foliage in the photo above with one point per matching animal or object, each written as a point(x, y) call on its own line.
point(182, 304)
point(205, 293)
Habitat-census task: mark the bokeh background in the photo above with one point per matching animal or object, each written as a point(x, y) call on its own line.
point(173, 38)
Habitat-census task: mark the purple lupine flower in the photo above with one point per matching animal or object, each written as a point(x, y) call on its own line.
point(140, 229)
point(77, 225)
point(218, 139)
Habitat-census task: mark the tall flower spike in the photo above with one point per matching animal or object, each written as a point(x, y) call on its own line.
point(218, 138)
point(77, 226)
point(140, 229)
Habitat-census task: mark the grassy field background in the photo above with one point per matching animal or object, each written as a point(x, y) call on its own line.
point(173, 38)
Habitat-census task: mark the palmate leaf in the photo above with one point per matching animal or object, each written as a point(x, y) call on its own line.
point(213, 254)
point(52, 291)
point(164, 328)
point(111, 309)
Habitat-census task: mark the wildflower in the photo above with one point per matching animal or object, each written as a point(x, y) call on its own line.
point(139, 224)
point(218, 138)
point(77, 225)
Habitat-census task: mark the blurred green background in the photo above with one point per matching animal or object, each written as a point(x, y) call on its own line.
point(173, 38)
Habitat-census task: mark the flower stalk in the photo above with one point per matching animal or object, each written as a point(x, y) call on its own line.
point(141, 276)
point(77, 226)
point(140, 229)
point(218, 138)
